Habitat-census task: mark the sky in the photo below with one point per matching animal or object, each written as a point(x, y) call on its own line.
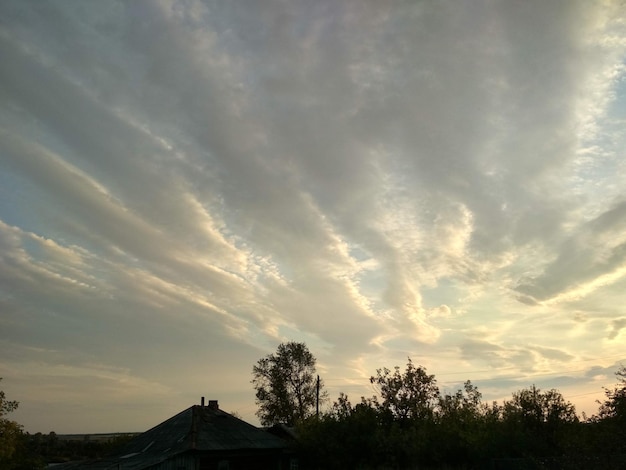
point(186, 184)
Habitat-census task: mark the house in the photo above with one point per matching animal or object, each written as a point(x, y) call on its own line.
point(199, 438)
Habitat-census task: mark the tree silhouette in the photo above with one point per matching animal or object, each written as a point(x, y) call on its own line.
point(286, 385)
point(10, 431)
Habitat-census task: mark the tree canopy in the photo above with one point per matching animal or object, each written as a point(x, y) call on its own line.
point(408, 395)
point(409, 423)
point(614, 407)
point(10, 431)
point(286, 385)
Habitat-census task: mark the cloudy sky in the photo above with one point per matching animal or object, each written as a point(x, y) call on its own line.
point(186, 184)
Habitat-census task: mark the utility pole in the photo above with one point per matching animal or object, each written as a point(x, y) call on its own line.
point(317, 397)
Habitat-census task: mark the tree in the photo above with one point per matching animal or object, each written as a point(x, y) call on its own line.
point(534, 407)
point(10, 431)
point(538, 422)
point(610, 423)
point(286, 385)
point(409, 395)
point(614, 407)
point(462, 407)
point(345, 436)
point(461, 425)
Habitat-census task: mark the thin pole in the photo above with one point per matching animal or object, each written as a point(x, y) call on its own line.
point(317, 398)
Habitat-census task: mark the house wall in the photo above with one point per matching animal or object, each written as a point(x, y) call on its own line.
point(245, 461)
point(226, 461)
point(179, 462)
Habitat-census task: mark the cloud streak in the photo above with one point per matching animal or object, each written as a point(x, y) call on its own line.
point(183, 185)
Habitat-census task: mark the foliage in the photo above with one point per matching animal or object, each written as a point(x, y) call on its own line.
point(534, 407)
point(6, 406)
point(610, 423)
point(461, 425)
point(10, 431)
point(34, 451)
point(410, 424)
point(345, 437)
point(286, 385)
point(536, 422)
point(23, 451)
point(409, 395)
point(614, 407)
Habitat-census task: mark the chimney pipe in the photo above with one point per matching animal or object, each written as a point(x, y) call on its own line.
point(202, 402)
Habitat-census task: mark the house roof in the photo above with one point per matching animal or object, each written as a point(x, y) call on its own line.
point(198, 428)
point(206, 429)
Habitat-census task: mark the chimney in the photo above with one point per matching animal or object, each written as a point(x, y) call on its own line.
point(213, 405)
point(202, 402)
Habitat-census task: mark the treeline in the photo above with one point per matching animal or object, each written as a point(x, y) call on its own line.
point(36, 451)
point(410, 424)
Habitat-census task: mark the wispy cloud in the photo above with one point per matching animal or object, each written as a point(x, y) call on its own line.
point(183, 185)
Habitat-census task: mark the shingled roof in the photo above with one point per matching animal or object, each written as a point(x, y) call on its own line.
point(197, 429)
